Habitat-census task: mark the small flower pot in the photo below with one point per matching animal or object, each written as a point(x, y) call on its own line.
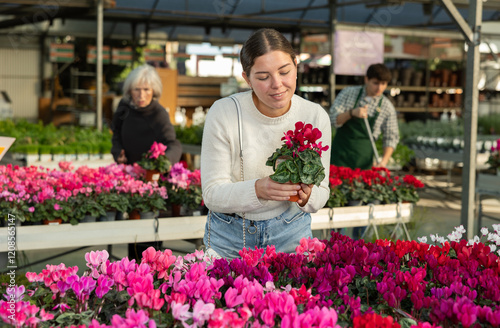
point(88, 218)
point(176, 210)
point(134, 215)
point(294, 198)
point(152, 175)
point(148, 215)
point(110, 216)
point(355, 203)
point(52, 222)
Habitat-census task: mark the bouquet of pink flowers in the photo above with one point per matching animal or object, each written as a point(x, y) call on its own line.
point(155, 158)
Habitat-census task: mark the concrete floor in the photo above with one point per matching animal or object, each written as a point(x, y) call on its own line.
point(438, 211)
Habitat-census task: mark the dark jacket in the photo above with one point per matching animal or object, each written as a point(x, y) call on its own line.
point(135, 130)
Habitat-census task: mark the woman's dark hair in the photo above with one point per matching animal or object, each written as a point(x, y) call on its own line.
point(379, 72)
point(260, 43)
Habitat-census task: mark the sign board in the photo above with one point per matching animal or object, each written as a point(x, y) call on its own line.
point(121, 56)
point(62, 53)
point(5, 143)
point(156, 55)
point(355, 51)
point(92, 54)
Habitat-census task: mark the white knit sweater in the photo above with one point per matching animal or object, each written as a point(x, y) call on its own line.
point(223, 190)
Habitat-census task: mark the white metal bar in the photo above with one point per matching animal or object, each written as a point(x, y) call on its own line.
point(455, 14)
point(176, 228)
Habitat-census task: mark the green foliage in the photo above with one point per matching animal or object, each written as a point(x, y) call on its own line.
point(489, 124)
point(189, 135)
point(113, 201)
point(337, 198)
point(146, 203)
point(402, 155)
point(47, 211)
point(86, 205)
point(30, 137)
point(190, 198)
point(304, 168)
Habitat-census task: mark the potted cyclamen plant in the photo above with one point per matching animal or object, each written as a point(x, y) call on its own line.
point(155, 162)
point(183, 188)
point(299, 159)
point(112, 202)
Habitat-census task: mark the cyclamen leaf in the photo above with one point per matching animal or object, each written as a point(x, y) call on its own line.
point(291, 166)
point(295, 178)
point(310, 169)
point(305, 155)
point(307, 178)
point(281, 177)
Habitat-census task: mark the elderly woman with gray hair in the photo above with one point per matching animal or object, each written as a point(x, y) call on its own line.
point(140, 120)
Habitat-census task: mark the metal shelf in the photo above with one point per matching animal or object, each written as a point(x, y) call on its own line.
point(426, 109)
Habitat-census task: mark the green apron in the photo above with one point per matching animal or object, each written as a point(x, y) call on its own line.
point(351, 145)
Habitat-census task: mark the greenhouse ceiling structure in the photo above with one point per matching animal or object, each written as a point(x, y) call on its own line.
point(232, 21)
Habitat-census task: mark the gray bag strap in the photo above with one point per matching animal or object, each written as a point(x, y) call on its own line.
point(240, 129)
point(240, 139)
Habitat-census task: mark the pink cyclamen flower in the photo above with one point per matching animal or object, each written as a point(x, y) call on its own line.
point(157, 149)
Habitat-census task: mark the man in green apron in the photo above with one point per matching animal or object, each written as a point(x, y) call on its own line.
point(351, 145)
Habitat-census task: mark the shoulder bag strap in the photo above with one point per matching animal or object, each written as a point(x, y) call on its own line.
point(240, 138)
point(242, 177)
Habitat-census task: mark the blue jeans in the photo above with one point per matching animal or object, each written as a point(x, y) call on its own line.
point(284, 232)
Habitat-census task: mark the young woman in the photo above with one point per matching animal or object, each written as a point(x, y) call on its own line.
point(247, 208)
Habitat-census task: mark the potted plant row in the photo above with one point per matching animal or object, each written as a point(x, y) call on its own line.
point(54, 196)
point(376, 186)
point(339, 282)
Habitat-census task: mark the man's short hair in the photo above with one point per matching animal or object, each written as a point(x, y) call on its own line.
point(379, 72)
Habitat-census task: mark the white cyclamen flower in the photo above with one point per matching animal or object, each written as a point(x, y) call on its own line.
point(460, 229)
point(492, 248)
point(484, 231)
point(455, 236)
point(422, 239)
point(433, 238)
point(496, 227)
point(441, 240)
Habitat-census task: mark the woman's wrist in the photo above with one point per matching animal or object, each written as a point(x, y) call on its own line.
point(350, 112)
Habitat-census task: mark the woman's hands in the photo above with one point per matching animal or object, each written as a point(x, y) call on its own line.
point(122, 159)
point(268, 189)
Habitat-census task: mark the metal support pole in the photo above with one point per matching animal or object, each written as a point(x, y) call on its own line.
point(470, 119)
point(99, 64)
point(472, 33)
point(333, 26)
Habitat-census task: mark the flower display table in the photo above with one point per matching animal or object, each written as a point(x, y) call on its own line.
point(189, 227)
